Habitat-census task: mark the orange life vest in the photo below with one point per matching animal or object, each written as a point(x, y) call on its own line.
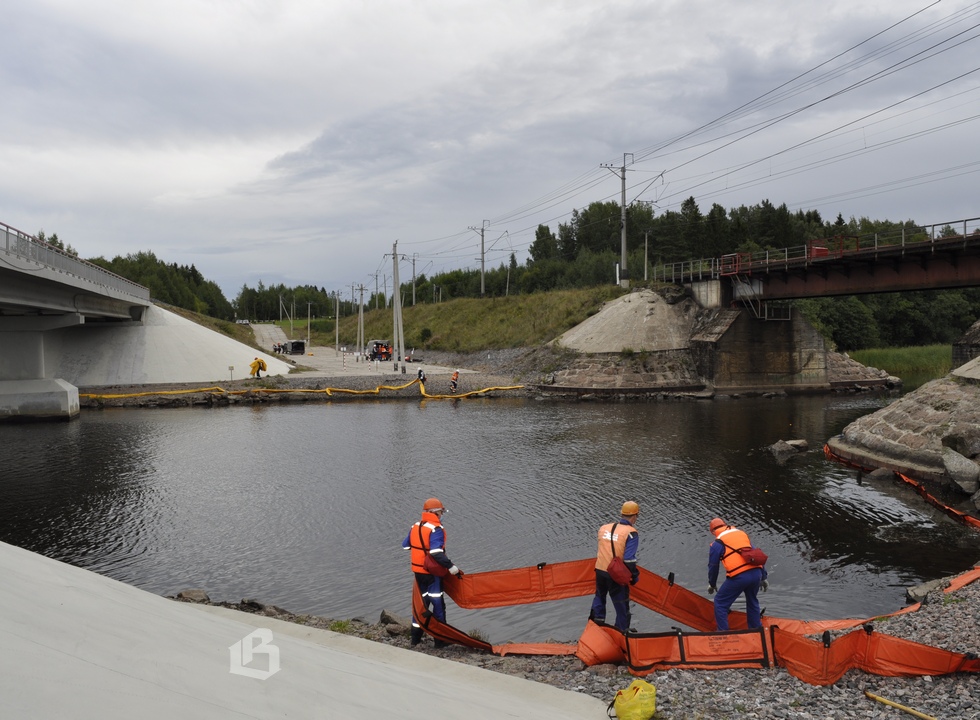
point(620, 533)
point(428, 523)
point(734, 539)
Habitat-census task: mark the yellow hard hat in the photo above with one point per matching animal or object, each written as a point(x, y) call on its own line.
point(630, 508)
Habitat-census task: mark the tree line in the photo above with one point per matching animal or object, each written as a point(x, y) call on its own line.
point(584, 252)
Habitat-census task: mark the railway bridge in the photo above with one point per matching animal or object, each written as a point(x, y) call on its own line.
point(933, 257)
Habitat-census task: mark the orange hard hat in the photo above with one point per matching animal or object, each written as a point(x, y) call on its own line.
point(432, 504)
point(630, 508)
point(716, 524)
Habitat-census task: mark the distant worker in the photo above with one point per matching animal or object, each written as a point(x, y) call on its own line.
point(257, 365)
point(741, 577)
point(421, 375)
point(427, 537)
point(622, 539)
point(454, 382)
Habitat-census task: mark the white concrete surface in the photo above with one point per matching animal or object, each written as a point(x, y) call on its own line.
point(38, 399)
point(74, 644)
point(166, 348)
point(970, 370)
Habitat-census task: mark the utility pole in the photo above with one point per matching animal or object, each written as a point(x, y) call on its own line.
point(360, 324)
point(308, 305)
point(414, 255)
point(399, 329)
point(481, 230)
point(336, 296)
point(646, 256)
point(376, 298)
point(624, 278)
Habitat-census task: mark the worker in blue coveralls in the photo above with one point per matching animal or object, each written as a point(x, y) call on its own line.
point(427, 537)
point(622, 539)
point(741, 577)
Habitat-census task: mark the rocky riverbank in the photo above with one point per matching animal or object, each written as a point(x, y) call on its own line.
point(932, 434)
point(946, 620)
point(530, 367)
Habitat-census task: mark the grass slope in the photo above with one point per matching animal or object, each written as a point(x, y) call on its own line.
point(469, 324)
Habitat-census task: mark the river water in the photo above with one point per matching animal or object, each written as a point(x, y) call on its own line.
point(305, 505)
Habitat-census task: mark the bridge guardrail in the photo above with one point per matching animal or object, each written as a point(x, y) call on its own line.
point(816, 251)
point(28, 247)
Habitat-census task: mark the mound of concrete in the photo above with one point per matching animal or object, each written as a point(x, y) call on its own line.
point(640, 321)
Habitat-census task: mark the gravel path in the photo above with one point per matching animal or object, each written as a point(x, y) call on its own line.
point(946, 620)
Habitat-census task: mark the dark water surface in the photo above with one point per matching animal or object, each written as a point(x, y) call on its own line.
point(305, 505)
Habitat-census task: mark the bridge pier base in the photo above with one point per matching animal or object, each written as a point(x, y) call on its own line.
point(50, 399)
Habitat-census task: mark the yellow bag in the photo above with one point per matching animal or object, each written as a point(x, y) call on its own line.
point(637, 702)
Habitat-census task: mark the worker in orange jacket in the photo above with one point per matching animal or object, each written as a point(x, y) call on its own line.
point(427, 537)
point(740, 576)
point(625, 541)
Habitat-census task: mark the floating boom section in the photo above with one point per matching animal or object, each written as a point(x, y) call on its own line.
point(781, 642)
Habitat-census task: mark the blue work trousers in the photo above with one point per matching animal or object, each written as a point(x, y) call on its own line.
point(430, 587)
point(620, 596)
point(745, 582)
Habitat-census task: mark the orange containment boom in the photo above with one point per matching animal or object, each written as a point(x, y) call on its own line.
point(781, 642)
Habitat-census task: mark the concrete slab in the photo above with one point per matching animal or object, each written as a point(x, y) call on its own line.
point(79, 645)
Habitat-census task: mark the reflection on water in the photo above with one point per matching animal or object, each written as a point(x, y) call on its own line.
point(305, 505)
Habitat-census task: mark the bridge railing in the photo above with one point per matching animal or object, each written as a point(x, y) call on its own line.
point(703, 269)
point(816, 251)
point(25, 246)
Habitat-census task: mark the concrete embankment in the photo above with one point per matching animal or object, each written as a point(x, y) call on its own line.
point(79, 645)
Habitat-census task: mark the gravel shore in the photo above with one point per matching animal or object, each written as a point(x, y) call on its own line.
point(946, 620)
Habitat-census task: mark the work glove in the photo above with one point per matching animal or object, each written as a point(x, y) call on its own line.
point(454, 571)
point(765, 586)
point(712, 589)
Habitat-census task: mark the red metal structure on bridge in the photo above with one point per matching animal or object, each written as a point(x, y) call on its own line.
point(945, 255)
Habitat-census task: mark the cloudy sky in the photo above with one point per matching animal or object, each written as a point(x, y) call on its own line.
point(296, 141)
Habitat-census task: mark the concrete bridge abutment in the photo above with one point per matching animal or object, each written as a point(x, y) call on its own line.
point(25, 393)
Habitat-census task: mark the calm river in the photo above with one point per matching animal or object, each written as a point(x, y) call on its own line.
point(305, 505)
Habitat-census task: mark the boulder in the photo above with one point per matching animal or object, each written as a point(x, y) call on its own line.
point(782, 451)
point(193, 595)
point(800, 445)
point(962, 472)
point(881, 475)
point(964, 438)
point(919, 592)
point(390, 618)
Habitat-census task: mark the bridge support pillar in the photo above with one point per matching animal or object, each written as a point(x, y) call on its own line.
point(25, 393)
point(711, 294)
point(52, 399)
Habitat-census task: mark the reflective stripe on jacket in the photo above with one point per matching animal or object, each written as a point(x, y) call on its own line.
point(733, 539)
point(620, 532)
point(429, 524)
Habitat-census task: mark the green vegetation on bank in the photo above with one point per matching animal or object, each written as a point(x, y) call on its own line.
point(468, 324)
point(915, 365)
